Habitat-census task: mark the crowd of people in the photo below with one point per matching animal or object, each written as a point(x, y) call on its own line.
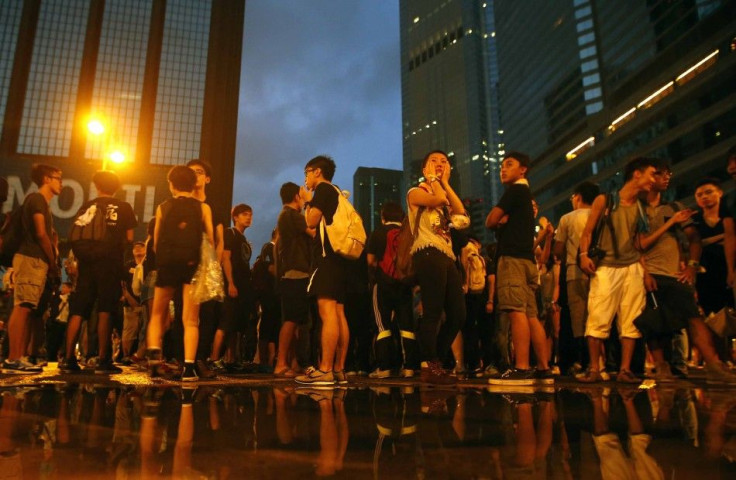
point(425, 298)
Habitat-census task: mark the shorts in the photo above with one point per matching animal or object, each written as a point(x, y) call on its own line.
point(615, 291)
point(676, 300)
point(174, 275)
point(577, 302)
point(236, 312)
point(295, 302)
point(29, 277)
point(517, 282)
point(99, 282)
point(328, 279)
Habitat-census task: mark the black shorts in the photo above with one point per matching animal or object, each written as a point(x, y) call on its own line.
point(236, 312)
point(328, 279)
point(174, 275)
point(294, 300)
point(676, 300)
point(99, 282)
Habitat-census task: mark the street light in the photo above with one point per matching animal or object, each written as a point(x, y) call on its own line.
point(95, 127)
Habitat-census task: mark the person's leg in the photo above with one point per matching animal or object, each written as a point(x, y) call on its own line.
point(432, 278)
point(72, 332)
point(286, 335)
point(17, 331)
point(632, 305)
point(104, 331)
point(539, 343)
point(343, 340)
point(190, 317)
point(382, 317)
point(159, 311)
point(627, 352)
point(458, 352)
point(520, 339)
point(330, 332)
point(454, 306)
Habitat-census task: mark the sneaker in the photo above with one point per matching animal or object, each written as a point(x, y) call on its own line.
point(679, 371)
point(189, 374)
point(203, 370)
point(20, 367)
point(69, 366)
point(106, 367)
point(39, 362)
point(515, 377)
point(605, 376)
point(544, 377)
point(435, 374)
point(217, 366)
point(340, 377)
point(590, 376)
point(719, 373)
point(316, 377)
point(407, 373)
point(626, 376)
point(491, 371)
point(575, 369)
point(378, 373)
point(460, 374)
point(555, 369)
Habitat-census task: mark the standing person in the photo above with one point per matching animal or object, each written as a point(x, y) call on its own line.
point(209, 312)
point(567, 241)
point(238, 306)
point(177, 239)
point(474, 287)
point(391, 297)
point(268, 299)
point(617, 283)
point(327, 282)
point(671, 285)
point(35, 260)
point(100, 264)
point(133, 309)
point(433, 204)
point(293, 254)
point(516, 273)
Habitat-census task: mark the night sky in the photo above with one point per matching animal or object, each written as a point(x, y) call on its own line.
point(318, 77)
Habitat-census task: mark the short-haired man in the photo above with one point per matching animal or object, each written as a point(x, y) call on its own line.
point(293, 267)
point(101, 272)
point(517, 274)
point(328, 279)
point(238, 306)
point(391, 299)
point(567, 240)
point(617, 283)
point(672, 286)
point(35, 260)
point(133, 310)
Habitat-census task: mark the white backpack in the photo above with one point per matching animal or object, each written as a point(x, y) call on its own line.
point(475, 270)
point(346, 233)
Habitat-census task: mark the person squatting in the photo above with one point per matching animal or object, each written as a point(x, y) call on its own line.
point(623, 282)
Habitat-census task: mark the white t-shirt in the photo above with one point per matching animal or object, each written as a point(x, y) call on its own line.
point(569, 232)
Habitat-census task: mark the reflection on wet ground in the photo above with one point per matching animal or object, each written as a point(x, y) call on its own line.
point(368, 430)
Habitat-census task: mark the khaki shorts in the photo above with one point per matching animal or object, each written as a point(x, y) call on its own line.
point(29, 278)
point(516, 283)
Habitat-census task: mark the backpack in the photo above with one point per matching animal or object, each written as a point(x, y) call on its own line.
point(88, 234)
point(405, 240)
point(11, 236)
point(388, 261)
point(346, 233)
point(476, 272)
point(180, 232)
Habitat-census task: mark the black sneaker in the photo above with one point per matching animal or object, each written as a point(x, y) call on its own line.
point(190, 373)
point(204, 371)
point(69, 365)
point(514, 377)
point(106, 367)
point(544, 377)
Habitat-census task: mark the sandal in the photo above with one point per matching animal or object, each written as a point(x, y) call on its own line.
point(285, 373)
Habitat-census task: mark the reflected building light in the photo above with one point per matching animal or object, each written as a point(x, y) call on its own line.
point(657, 96)
point(580, 148)
point(623, 119)
point(696, 69)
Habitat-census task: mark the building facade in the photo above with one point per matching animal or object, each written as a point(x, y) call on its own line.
point(448, 80)
point(160, 78)
point(372, 187)
point(597, 85)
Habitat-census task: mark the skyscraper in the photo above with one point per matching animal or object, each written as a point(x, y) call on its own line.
point(372, 187)
point(159, 77)
point(586, 85)
point(447, 80)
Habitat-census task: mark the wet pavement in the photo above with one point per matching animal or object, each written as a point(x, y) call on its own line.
point(127, 426)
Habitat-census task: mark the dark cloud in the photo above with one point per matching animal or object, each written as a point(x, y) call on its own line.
point(317, 77)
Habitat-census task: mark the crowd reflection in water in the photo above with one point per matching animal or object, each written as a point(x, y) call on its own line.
point(84, 431)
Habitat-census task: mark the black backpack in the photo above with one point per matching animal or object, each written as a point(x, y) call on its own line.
point(88, 235)
point(11, 236)
point(180, 232)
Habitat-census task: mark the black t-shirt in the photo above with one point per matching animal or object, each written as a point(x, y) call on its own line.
point(120, 218)
point(516, 237)
point(713, 257)
point(325, 199)
point(29, 246)
point(240, 253)
point(219, 217)
point(294, 242)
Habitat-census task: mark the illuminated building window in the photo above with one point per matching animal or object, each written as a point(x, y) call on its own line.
point(657, 96)
point(48, 113)
point(580, 148)
point(696, 69)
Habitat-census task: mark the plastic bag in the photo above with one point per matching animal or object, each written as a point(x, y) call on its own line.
point(207, 283)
